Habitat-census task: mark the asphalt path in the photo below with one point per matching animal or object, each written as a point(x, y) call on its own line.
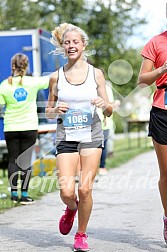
point(127, 215)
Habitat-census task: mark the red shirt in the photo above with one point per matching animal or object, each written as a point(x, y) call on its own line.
point(156, 50)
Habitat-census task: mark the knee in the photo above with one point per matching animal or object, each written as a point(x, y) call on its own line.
point(84, 193)
point(67, 195)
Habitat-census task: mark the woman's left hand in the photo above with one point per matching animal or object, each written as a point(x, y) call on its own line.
point(99, 102)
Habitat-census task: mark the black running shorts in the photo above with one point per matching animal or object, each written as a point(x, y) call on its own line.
point(72, 146)
point(158, 125)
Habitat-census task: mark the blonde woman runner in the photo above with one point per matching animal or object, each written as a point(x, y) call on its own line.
point(76, 90)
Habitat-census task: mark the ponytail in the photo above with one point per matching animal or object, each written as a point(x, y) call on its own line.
point(19, 64)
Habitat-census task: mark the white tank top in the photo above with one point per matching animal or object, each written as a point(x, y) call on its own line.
point(76, 124)
point(77, 96)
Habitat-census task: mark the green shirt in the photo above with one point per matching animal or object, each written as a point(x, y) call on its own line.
point(20, 102)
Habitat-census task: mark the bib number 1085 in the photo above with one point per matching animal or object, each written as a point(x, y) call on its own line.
point(76, 118)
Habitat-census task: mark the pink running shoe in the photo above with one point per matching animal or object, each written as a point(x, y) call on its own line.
point(165, 229)
point(80, 242)
point(67, 220)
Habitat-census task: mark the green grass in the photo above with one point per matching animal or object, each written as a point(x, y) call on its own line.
point(39, 186)
point(123, 152)
point(42, 185)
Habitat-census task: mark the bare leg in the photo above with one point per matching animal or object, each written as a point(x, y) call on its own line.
point(78, 168)
point(89, 167)
point(161, 151)
point(67, 166)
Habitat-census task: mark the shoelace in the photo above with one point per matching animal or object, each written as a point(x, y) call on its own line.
point(81, 237)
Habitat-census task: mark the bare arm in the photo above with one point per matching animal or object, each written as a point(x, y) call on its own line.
point(52, 108)
point(147, 74)
point(52, 98)
point(102, 100)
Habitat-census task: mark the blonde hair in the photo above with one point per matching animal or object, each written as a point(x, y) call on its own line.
point(59, 32)
point(19, 64)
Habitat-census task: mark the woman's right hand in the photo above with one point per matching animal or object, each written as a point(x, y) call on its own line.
point(52, 112)
point(61, 108)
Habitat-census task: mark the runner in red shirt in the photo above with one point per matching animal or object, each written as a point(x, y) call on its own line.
point(154, 69)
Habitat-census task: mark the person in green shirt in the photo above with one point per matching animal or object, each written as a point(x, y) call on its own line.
point(108, 127)
point(18, 94)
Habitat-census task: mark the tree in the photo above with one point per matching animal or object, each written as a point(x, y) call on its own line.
point(109, 24)
point(19, 14)
point(109, 28)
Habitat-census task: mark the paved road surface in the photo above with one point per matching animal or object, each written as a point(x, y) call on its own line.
point(127, 215)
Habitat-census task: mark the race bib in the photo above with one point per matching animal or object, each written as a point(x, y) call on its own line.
point(77, 118)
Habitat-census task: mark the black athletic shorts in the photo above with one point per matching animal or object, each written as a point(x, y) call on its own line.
point(72, 146)
point(158, 125)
